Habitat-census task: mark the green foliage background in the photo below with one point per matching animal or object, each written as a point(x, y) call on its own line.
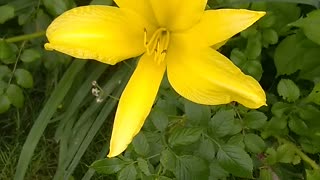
point(53, 127)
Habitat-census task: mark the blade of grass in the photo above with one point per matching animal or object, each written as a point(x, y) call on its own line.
point(44, 117)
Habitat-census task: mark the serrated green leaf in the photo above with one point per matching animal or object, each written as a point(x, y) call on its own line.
point(5, 50)
point(221, 123)
point(24, 78)
point(128, 172)
point(143, 166)
point(280, 108)
point(255, 119)
point(108, 165)
point(275, 126)
point(168, 160)
point(6, 13)
point(314, 96)
point(310, 25)
point(288, 90)
point(285, 153)
point(191, 167)
point(237, 140)
point(216, 171)
point(4, 103)
point(15, 95)
point(196, 113)
point(141, 145)
point(184, 136)
point(235, 160)
point(30, 55)
point(159, 119)
point(312, 174)
point(254, 143)
point(206, 150)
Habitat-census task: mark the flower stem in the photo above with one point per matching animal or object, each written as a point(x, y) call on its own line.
point(25, 37)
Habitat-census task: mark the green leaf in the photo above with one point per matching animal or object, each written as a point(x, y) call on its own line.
point(159, 119)
point(254, 47)
point(221, 123)
point(15, 95)
point(128, 172)
point(253, 68)
point(286, 153)
point(254, 143)
point(108, 165)
point(143, 166)
point(206, 150)
point(238, 57)
point(168, 160)
point(265, 174)
point(57, 7)
point(310, 25)
point(101, 2)
point(270, 36)
point(237, 140)
point(280, 108)
point(24, 78)
point(196, 113)
point(314, 96)
point(255, 119)
point(191, 167)
point(295, 53)
point(288, 90)
point(4, 72)
point(298, 126)
point(4, 103)
point(275, 126)
point(235, 160)
point(216, 171)
point(141, 145)
point(30, 55)
point(5, 50)
point(313, 174)
point(266, 21)
point(184, 136)
point(6, 13)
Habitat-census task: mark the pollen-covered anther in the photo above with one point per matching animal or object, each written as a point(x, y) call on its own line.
point(158, 44)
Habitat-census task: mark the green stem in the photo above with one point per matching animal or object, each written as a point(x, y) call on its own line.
point(302, 155)
point(25, 37)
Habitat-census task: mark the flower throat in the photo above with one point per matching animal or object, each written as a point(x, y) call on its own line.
point(158, 44)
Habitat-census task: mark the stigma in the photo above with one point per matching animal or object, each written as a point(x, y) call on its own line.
point(158, 44)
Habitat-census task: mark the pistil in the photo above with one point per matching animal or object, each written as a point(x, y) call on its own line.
point(158, 44)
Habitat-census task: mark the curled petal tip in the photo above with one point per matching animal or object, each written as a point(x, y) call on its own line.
point(48, 47)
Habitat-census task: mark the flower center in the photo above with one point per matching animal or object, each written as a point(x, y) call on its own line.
point(157, 44)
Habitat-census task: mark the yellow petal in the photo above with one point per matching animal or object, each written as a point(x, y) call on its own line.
point(207, 77)
point(104, 33)
point(135, 103)
point(219, 25)
point(142, 7)
point(176, 14)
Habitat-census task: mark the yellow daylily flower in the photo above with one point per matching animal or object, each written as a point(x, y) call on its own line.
point(170, 35)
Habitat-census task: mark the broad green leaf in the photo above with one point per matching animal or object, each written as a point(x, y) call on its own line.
point(206, 150)
point(4, 72)
point(196, 113)
point(221, 123)
point(275, 126)
point(109, 165)
point(312, 174)
point(184, 136)
point(237, 140)
point(235, 160)
point(30, 55)
point(289, 54)
point(270, 36)
point(298, 126)
point(266, 21)
point(4, 103)
point(286, 153)
point(265, 174)
point(191, 167)
point(141, 145)
point(101, 2)
point(288, 90)
point(168, 160)
point(255, 119)
point(271, 156)
point(280, 108)
point(216, 171)
point(314, 96)
point(309, 146)
point(3, 86)
point(5, 50)
point(253, 68)
point(128, 172)
point(6, 13)
point(254, 47)
point(57, 7)
point(310, 69)
point(24, 78)
point(15, 95)
point(254, 143)
point(310, 25)
point(238, 57)
point(143, 166)
point(159, 119)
